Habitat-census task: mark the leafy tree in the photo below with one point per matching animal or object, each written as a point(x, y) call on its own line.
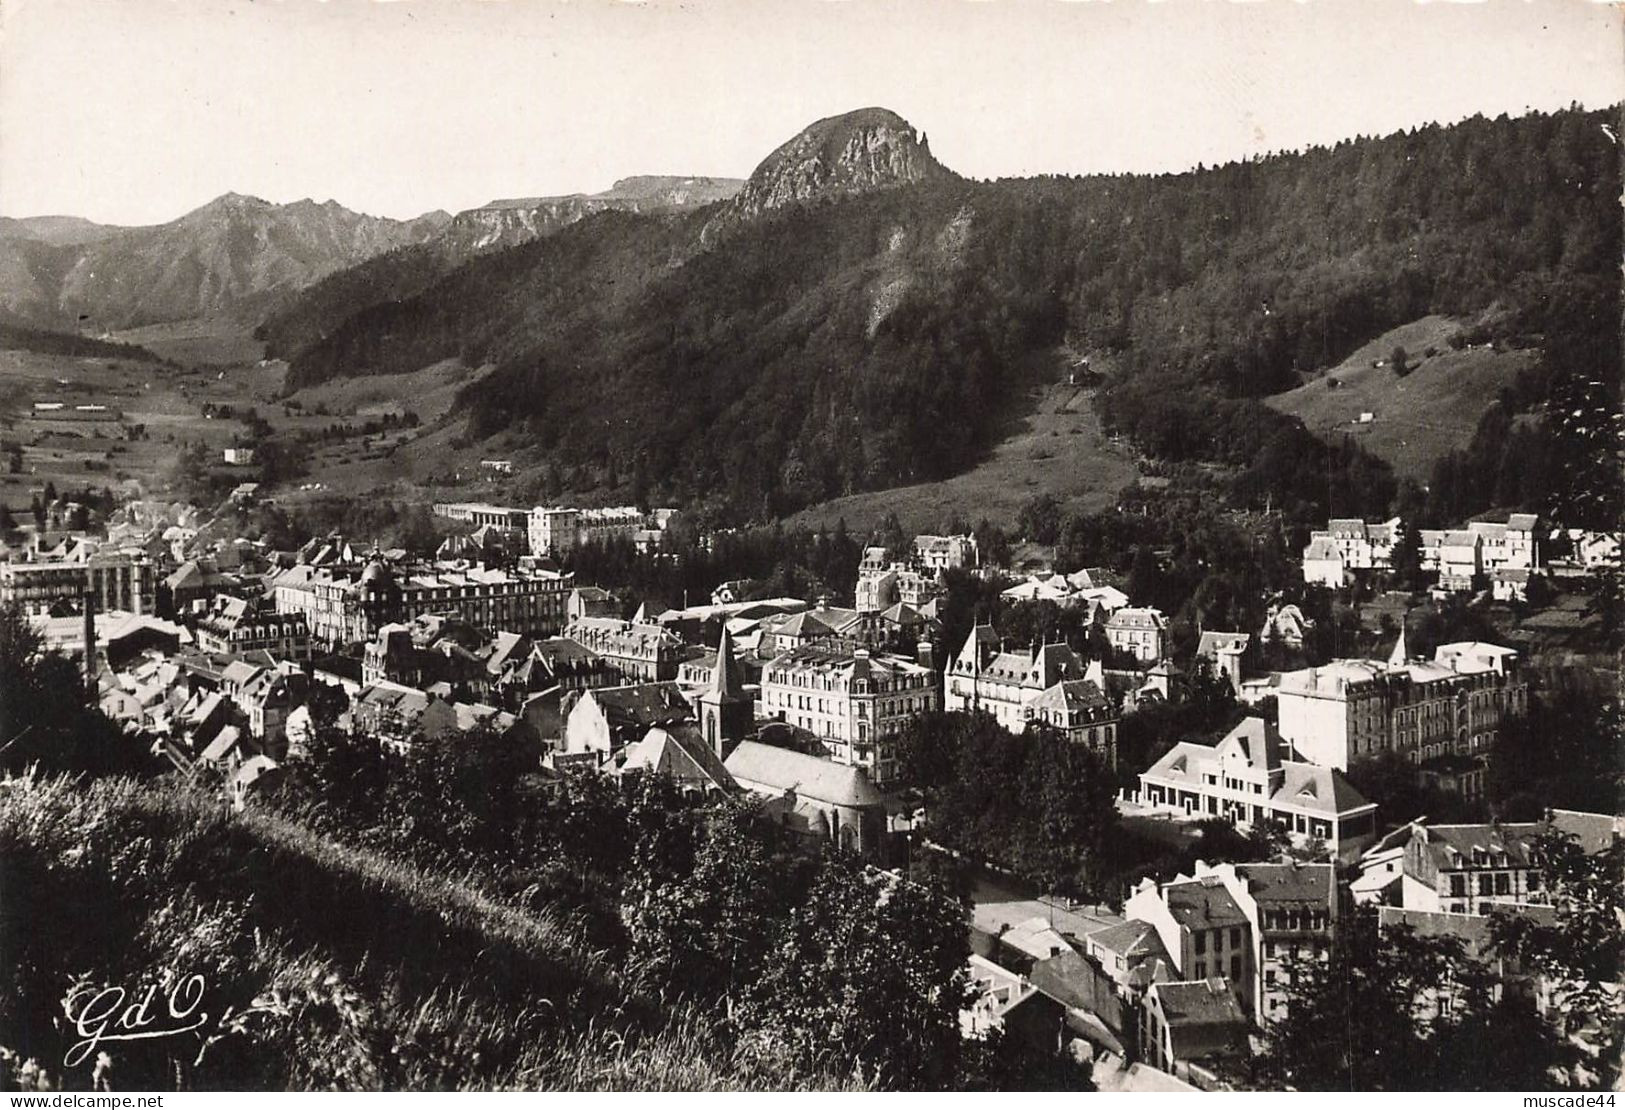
point(705, 895)
point(1407, 555)
point(1393, 1010)
point(1037, 804)
point(1551, 757)
point(1579, 953)
point(868, 975)
point(1040, 519)
point(1399, 361)
point(47, 719)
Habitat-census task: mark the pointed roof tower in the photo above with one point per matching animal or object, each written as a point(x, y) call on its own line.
point(727, 711)
point(725, 681)
point(1401, 654)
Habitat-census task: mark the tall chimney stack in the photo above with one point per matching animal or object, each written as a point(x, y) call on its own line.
point(90, 642)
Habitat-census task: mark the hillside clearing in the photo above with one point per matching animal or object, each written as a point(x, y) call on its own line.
point(1061, 450)
point(1414, 419)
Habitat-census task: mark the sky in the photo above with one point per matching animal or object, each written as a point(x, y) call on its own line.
point(136, 111)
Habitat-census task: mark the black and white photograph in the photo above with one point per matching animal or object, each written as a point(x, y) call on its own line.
point(840, 546)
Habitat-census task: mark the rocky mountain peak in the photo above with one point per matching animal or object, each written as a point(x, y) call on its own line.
point(871, 148)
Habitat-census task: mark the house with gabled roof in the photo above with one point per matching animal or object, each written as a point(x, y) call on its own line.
point(1246, 780)
point(1186, 1025)
point(1473, 868)
point(1140, 632)
point(1223, 653)
point(605, 721)
point(680, 753)
point(1122, 950)
point(984, 677)
point(1079, 710)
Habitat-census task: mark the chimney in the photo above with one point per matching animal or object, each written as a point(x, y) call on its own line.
point(925, 654)
point(90, 643)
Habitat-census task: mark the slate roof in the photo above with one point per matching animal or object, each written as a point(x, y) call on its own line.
point(1289, 883)
point(1138, 619)
point(1074, 696)
point(222, 744)
point(1130, 940)
point(779, 770)
point(680, 752)
point(1203, 904)
point(1208, 1002)
point(645, 703)
point(1305, 786)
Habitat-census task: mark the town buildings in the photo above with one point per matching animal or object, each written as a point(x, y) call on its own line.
point(1455, 555)
point(1513, 545)
point(856, 702)
point(883, 582)
point(1069, 591)
point(347, 603)
point(1355, 708)
point(1191, 1024)
point(1080, 711)
point(237, 626)
point(641, 652)
point(1346, 546)
point(827, 801)
point(940, 553)
point(605, 721)
point(556, 530)
point(983, 677)
point(1140, 632)
point(1223, 652)
point(1472, 868)
point(112, 580)
point(1459, 557)
point(1246, 780)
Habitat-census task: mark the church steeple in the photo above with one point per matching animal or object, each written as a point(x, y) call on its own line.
point(726, 710)
point(725, 680)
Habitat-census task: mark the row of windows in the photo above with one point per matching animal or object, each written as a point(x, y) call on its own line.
point(1200, 939)
point(1200, 968)
point(1491, 883)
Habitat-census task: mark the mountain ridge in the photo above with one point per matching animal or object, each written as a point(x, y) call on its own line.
point(874, 338)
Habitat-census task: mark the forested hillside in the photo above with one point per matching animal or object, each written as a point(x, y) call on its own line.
point(856, 343)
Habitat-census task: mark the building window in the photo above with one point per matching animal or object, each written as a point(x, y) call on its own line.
point(1503, 883)
point(1486, 885)
point(1201, 944)
point(1235, 937)
point(1201, 970)
point(1458, 886)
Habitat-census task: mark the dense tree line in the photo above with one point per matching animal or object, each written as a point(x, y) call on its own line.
point(767, 366)
point(1037, 805)
point(17, 337)
point(814, 962)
